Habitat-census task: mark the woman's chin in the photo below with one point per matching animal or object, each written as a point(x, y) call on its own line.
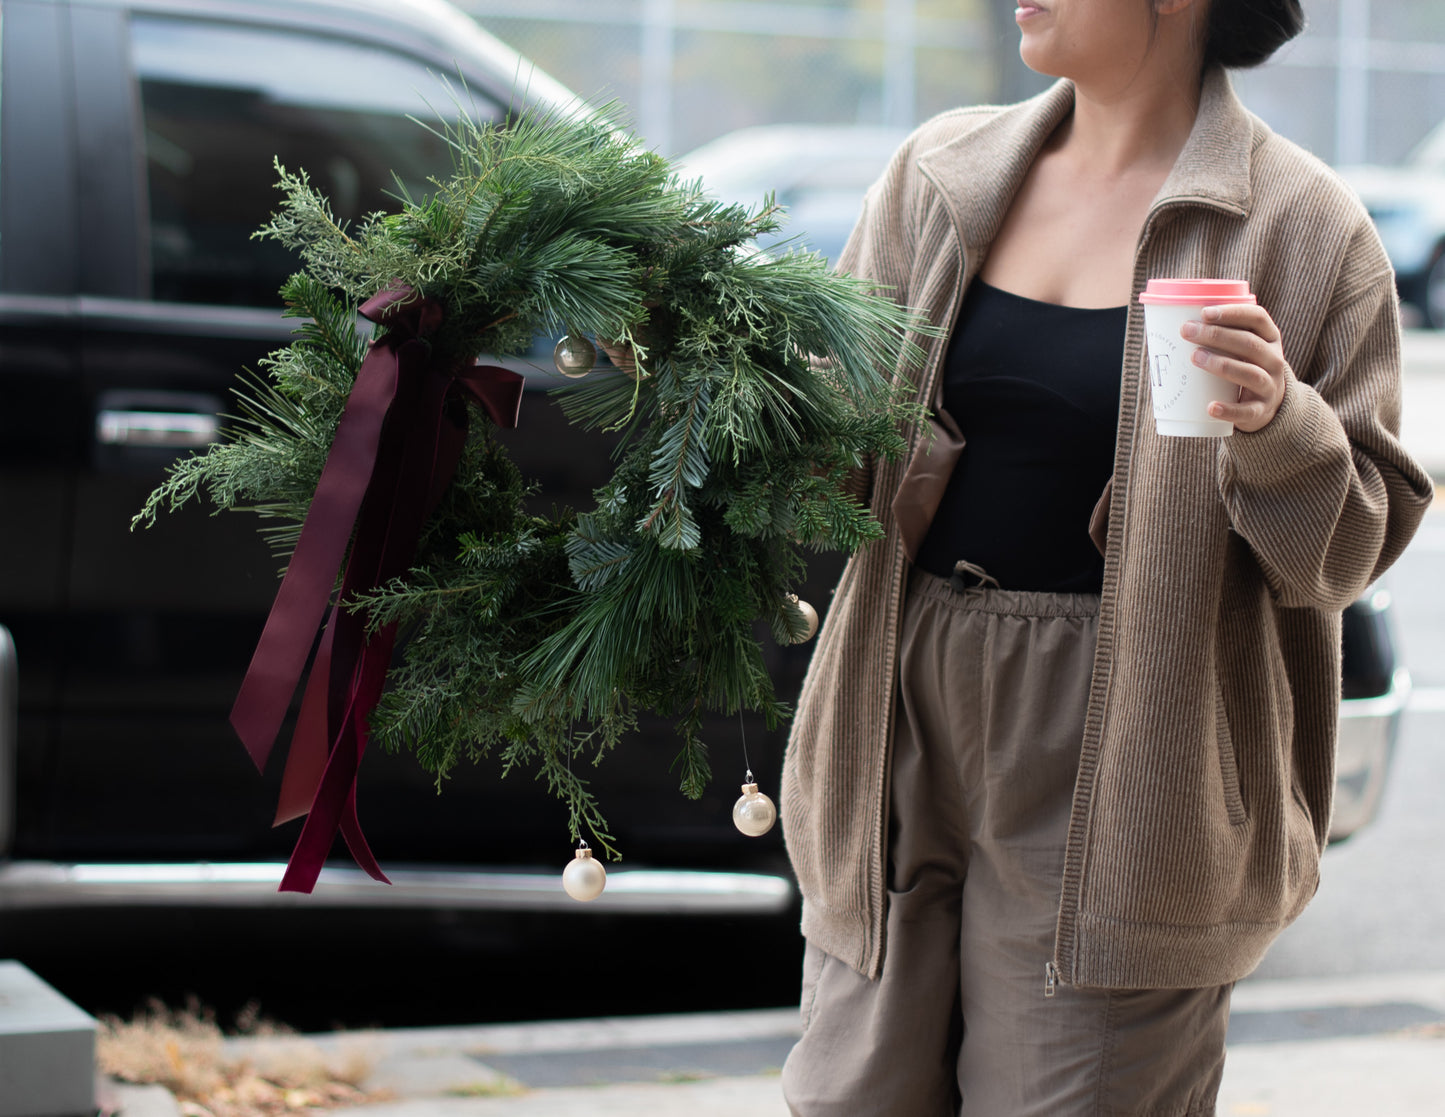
point(1040, 60)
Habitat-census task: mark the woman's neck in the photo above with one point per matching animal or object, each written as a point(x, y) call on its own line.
point(1124, 131)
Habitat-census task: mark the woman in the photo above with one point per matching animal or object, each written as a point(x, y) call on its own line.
point(1041, 829)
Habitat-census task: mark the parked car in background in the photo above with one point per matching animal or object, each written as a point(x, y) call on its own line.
point(1407, 204)
point(818, 172)
point(136, 150)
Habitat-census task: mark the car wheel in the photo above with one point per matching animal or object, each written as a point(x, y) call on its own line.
point(1434, 293)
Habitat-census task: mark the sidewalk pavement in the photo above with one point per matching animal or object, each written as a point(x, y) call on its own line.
point(1327, 1047)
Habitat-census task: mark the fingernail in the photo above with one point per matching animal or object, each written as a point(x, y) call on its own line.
point(1201, 358)
point(1190, 329)
point(1212, 313)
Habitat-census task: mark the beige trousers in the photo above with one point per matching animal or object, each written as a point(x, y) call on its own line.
point(993, 687)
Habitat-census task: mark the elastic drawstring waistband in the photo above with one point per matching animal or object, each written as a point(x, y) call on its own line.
point(982, 598)
point(969, 575)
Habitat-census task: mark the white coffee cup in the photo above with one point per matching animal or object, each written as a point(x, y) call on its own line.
point(1180, 389)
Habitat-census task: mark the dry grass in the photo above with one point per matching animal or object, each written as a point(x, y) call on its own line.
point(183, 1050)
point(499, 1087)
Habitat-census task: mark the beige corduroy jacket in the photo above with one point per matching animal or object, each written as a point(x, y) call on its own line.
point(1204, 791)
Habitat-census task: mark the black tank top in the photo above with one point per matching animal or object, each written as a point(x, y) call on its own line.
point(1035, 389)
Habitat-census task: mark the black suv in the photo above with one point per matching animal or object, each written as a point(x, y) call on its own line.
point(136, 143)
point(136, 149)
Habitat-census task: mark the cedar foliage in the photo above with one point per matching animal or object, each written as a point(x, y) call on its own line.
point(766, 381)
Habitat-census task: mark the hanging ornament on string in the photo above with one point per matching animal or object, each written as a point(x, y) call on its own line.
point(810, 618)
point(753, 813)
point(574, 356)
point(584, 878)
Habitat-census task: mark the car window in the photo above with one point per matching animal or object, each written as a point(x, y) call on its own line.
point(220, 101)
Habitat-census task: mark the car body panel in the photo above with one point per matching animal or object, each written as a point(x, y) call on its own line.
point(1407, 204)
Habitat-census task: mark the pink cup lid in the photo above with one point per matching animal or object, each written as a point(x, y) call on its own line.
point(1195, 292)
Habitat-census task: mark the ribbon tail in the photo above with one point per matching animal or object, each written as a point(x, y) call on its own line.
point(301, 602)
point(356, 841)
point(310, 743)
point(371, 680)
point(420, 442)
point(334, 806)
point(319, 830)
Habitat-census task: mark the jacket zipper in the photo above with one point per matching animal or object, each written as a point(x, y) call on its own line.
point(1051, 979)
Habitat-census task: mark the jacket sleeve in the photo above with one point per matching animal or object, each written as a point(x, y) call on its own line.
point(880, 249)
point(1325, 494)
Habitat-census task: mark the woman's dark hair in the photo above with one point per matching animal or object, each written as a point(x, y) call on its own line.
point(1243, 33)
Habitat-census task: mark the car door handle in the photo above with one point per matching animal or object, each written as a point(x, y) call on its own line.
point(175, 430)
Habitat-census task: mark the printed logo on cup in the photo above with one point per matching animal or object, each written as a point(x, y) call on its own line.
point(1168, 377)
point(1180, 390)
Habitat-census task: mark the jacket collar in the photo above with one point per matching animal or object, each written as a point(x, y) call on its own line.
point(1212, 168)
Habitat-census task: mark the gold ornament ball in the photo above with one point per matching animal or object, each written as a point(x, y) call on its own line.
point(810, 617)
point(754, 813)
point(585, 878)
point(574, 356)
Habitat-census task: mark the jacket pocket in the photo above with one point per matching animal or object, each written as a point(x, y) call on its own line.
point(924, 481)
point(1228, 762)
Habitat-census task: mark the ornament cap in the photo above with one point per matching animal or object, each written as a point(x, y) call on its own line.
point(584, 854)
point(750, 789)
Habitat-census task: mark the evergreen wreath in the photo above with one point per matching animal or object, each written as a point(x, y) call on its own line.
point(765, 380)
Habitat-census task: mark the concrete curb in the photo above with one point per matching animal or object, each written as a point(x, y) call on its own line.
point(1379, 1066)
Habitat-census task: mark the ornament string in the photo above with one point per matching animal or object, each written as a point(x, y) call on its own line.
point(754, 813)
point(743, 733)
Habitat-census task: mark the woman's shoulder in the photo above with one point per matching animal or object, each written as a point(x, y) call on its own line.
point(1287, 177)
point(935, 132)
point(1312, 219)
point(949, 125)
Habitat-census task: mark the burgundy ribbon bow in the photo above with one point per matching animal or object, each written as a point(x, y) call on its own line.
point(396, 447)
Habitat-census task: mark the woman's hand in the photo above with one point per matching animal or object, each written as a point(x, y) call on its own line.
point(620, 354)
point(1240, 343)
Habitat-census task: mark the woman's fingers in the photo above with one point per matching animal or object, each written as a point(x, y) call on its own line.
point(619, 353)
point(1244, 316)
point(1240, 343)
point(1247, 416)
point(1251, 377)
point(1234, 341)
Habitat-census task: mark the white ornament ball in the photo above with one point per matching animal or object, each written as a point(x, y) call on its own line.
point(585, 878)
point(810, 617)
point(754, 813)
point(574, 356)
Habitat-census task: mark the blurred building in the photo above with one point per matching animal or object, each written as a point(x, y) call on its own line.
point(1363, 84)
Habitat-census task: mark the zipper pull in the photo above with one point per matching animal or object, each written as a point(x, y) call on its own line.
point(1051, 979)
